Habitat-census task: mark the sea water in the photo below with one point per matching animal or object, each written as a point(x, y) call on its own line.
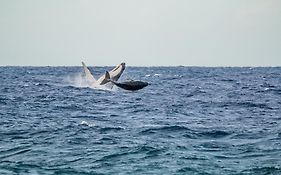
point(189, 120)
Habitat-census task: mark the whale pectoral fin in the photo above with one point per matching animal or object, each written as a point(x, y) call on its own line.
point(117, 72)
point(89, 77)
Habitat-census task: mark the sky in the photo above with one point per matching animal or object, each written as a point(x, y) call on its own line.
point(140, 32)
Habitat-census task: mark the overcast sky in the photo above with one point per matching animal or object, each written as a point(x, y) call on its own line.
point(140, 32)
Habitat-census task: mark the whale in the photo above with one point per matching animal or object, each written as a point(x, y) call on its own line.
point(131, 85)
point(114, 74)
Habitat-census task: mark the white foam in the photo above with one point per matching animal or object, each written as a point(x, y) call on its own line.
point(90, 124)
point(102, 87)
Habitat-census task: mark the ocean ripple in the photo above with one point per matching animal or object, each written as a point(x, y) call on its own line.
point(189, 120)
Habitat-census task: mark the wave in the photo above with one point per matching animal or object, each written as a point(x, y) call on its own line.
point(213, 134)
point(108, 129)
point(263, 170)
point(175, 128)
point(186, 132)
point(240, 105)
point(190, 170)
point(145, 151)
point(14, 151)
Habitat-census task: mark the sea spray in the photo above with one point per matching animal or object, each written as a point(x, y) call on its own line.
point(77, 80)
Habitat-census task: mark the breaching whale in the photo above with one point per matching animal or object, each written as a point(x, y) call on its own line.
point(131, 85)
point(114, 75)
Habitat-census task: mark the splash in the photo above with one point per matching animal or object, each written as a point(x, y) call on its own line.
point(79, 80)
point(76, 80)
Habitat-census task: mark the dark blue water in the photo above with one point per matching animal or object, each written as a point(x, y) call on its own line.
point(189, 120)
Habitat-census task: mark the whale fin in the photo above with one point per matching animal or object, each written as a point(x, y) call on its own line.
point(90, 78)
point(108, 79)
point(107, 76)
point(114, 75)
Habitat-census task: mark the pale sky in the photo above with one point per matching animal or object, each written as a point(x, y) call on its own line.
point(140, 32)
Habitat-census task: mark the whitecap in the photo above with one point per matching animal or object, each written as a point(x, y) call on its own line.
point(90, 124)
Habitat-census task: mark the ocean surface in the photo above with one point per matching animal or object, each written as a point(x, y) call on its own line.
point(189, 120)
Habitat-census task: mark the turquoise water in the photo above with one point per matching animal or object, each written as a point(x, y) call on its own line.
point(189, 120)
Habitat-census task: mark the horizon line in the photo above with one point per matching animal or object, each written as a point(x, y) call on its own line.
point(207, 66)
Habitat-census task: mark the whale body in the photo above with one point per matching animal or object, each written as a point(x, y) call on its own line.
point(131, 85)
point(114, 74)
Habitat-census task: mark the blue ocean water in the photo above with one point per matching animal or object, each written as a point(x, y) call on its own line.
point(189, 120)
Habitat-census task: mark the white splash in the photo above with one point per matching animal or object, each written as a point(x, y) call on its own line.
point(79, 80)
point(90, 124)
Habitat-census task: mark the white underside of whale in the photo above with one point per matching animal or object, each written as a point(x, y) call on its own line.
point(102, 81)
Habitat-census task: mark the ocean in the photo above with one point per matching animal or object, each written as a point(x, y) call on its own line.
point(189, 120)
